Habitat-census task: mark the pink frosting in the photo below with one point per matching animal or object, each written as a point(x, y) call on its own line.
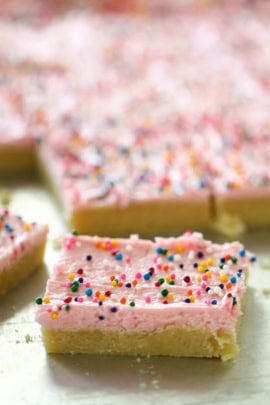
point(132, 284)
point(126, 118)
point(17, 238)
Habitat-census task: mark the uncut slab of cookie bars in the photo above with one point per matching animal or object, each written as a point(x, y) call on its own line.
point(176, 296)
point(142, 136)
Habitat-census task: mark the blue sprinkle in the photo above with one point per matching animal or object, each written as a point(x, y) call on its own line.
point(171, 258)
point(233, 279)
point(239, 274)
point(242, 252)
point(9, 228)
point(147, 276)
point(118, 256)
point(214, 302)
point(89, 292)
point(253, 259)
point(159, 250)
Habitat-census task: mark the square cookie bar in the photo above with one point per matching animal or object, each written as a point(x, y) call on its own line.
point(174, 296)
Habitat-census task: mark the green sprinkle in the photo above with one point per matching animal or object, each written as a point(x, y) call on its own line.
point(132, 304)
point(234, 301)
point(161, 280)
point(172, 282)
point(75, 286)
point(74, 232)
point(234, 259)
point(39, 300)
point(67, 307)
point(206, 270)
point(164, 292)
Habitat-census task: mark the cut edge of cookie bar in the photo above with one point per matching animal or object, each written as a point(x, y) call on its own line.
point(17, 160)
point(171, 341)
point(11, 276)
point(250, 205)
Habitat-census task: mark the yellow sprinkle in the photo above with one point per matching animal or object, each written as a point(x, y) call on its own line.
point(200, 269)
point(114, 283)
point(191, 298)
point(27, 227)
point(168, 277)
point(54, 315)
point(46, 300)
point(103, 245)
point(223, 278)
point(101, 297)
point(203, 264)
point(114, 242)
point(71, 276)
point(170, 296)
point(210, 261)
point(209, 274)
point(180, 248)
point(198, 278)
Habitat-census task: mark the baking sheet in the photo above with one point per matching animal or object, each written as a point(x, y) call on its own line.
point(29, 376)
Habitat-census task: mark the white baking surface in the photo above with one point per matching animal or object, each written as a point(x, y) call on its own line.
point(29, 376)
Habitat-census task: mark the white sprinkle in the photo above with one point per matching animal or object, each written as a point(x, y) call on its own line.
point(78, 244)
point(159, 260)
point(191, 255)
point(177, 258)
point(105, 262)
point(129, 248)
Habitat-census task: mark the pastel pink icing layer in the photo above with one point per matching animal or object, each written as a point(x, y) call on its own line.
point(133, 284)
point(17, 238)
point(108, 100)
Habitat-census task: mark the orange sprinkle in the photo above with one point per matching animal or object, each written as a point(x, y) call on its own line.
point(46, 300)
point(165, 267)
point(112, 277)
point(123, 300)
point(54, 315)
point(120, 284)
point(134, 282)
point(228, 257)
point(180, 248)
point(229, 286)
point(114, 242)
point(97, 244)
point(103, 245)
point(189, 292)
point(97, 294)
